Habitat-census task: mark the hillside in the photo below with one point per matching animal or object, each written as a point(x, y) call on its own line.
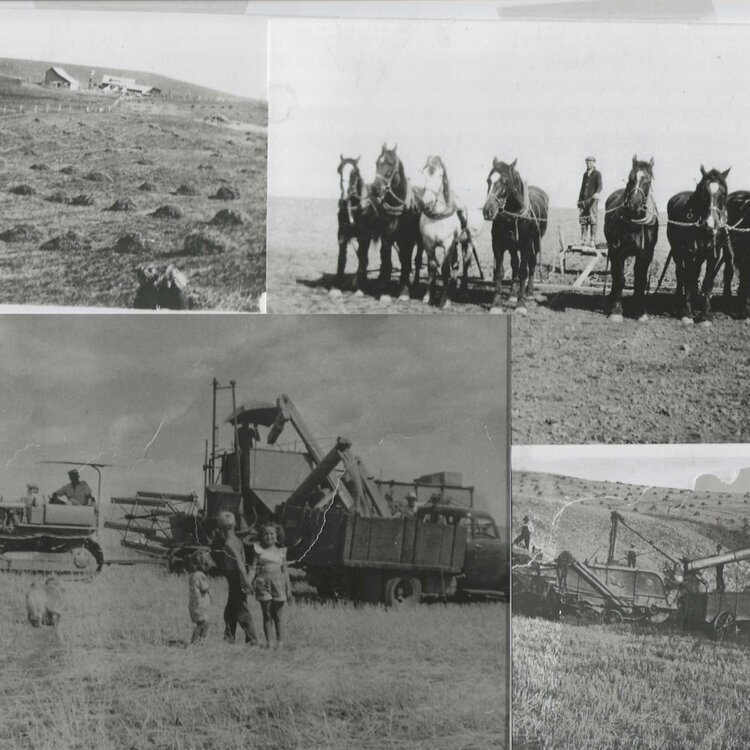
point(574, 514)
point(33, 71)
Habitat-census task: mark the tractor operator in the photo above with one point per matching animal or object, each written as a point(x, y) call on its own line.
point(525, 536)
point(588, 200)
point(76, 492)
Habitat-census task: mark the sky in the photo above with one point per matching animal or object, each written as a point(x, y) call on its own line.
point(671, 465)
point(224, 52)
point(413, 393)
point(546, 93)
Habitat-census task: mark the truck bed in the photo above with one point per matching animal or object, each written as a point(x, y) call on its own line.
point(332, 539)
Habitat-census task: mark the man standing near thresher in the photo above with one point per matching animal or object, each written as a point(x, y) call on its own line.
point(76, 492)
point(719, 572)
point(238, 581)
point(525, 536)
point(411, 505)
point(588, 201)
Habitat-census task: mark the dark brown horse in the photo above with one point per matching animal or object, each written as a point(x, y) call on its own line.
point(358, 219)
point(631, 228)
point(738, 217)
point(399, 217)
point(697, 233)
point(519, 220)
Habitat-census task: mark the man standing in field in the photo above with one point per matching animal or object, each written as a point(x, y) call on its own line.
point(76, 492)
point(238, 581)
point(411, 505)
point(719, 572)
point(525, 536)
point(632, 557)
point(588, 201)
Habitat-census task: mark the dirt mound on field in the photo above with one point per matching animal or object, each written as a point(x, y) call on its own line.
point(146, 187)
point(69, 170)
point(20, 233)
point(22, 190)
point(228, 217)
point(96, 177)
point(121, 204)
point(167, 212)
point(226, 193)
point(83, 200)
point(186, 190)
point(133, 242)
point(70, 241)
point(57, 197)
point(205, 242)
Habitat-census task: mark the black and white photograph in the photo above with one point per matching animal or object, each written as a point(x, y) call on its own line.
point(631, 596)
point(615, 180)
point(254, 531)
point(133, 150)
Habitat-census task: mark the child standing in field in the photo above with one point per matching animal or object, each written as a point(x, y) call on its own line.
point(271, 583)
point(200, 595)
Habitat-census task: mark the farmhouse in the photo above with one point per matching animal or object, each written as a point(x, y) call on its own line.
point(57, 77)
point(119, 84)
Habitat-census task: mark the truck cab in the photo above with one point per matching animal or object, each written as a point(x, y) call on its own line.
point(485, 572)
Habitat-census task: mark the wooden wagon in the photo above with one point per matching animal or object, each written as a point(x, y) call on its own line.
point(721, 613)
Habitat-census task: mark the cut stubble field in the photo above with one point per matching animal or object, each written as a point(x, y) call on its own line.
point(145, 154)
point(349, 676)
point(606, 687)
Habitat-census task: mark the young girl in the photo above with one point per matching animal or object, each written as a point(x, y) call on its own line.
point(200, 595)
point(271, 582)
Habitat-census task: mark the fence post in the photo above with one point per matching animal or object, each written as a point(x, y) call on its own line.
point(35, 109)
point(59, 107)
point(48, 108)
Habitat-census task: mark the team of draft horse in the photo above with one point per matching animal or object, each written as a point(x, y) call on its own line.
point(706, 227)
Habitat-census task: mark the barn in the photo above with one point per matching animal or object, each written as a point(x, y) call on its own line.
point(56, 76)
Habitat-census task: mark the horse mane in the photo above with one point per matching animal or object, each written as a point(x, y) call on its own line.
point(446, 183)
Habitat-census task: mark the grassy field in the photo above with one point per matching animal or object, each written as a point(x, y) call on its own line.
point(430, 677)
point(598, 687)
point(147, 153)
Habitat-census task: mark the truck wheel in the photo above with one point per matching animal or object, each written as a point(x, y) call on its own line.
point(402, 592)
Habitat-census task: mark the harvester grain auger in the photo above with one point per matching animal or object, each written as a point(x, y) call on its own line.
point(39, 536)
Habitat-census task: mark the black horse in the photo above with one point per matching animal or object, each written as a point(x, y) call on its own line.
point(698, 236)
point(738, 217)
point(399, 217)
point(631, 228)
point(358, 219)
point(519, 220)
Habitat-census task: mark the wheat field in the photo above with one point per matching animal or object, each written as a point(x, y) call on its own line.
point(120, 676)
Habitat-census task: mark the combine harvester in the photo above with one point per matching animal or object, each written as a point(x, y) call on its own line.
point(614, 593)
point(46, 537)
point(339, 526)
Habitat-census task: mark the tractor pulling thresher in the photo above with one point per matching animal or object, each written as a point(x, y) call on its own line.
point(611, 593)
point(339, 526)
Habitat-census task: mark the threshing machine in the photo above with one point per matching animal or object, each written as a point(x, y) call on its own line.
point(340, 528)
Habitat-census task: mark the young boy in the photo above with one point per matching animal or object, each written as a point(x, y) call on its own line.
point(200, 594)
point(236, 612)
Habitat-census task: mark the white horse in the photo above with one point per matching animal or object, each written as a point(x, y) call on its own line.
point(440, 227)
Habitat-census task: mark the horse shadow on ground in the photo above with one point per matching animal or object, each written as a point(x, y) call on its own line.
point(659, 305)
point(475, 294)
